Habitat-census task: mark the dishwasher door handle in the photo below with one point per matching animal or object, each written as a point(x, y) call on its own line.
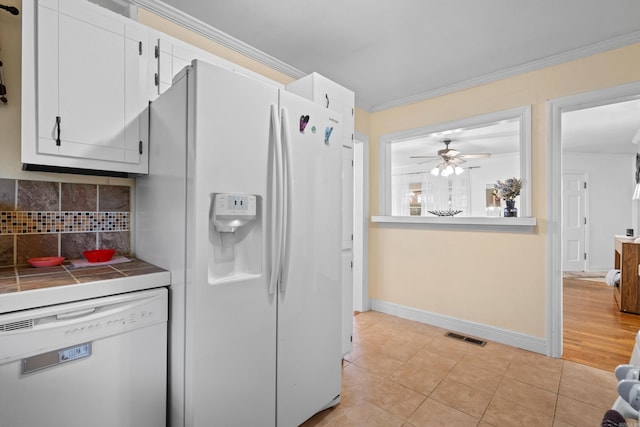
point(74, 314)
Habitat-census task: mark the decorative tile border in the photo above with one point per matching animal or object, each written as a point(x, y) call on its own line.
point(37, 222)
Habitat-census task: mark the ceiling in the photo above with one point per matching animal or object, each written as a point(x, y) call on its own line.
point(395, 52)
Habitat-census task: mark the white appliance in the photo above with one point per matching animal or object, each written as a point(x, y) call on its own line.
point(100, 362)
point(243, 205)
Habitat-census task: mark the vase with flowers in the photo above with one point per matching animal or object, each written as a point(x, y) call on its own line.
point(508, 190)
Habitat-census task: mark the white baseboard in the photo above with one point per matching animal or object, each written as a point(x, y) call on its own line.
point(491, 333)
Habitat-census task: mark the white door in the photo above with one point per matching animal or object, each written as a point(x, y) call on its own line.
point(574, 221)
point(309, 308)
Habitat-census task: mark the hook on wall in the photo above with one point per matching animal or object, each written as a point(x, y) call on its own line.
point(12, 10)
point(3, 88)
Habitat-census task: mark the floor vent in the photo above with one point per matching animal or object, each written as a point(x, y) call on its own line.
point(470, 340)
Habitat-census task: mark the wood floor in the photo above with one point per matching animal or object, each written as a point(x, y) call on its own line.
point(595, 333)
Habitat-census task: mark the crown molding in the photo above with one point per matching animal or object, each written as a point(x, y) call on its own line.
point(582, 52)
point(172, 14)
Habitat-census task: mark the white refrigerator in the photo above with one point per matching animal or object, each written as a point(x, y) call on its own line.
point(243, 205)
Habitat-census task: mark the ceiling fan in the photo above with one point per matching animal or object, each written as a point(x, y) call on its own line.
point(451, 160)
point(451, 156)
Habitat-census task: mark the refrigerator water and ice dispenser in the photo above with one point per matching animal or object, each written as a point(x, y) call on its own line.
point(235, 237)
point(231, 211)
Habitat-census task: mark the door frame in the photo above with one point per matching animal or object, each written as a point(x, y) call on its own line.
point(555, 109)
point(361, 300)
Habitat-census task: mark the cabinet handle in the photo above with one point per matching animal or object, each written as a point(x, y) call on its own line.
point(140, 147)
point(326, 95)
point(58, 120)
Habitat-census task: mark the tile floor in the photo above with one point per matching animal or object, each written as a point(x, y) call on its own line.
point(404, 373)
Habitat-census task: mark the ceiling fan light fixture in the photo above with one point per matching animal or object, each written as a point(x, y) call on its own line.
point(458, 170)
point(447, 171)
point(435, 171)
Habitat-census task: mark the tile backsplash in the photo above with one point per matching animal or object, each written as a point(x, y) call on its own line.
point(41, 218)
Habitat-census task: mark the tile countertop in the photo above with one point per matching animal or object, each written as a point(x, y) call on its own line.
point(24, 287)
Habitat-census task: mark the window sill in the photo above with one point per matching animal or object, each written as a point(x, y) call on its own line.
point(520, 224)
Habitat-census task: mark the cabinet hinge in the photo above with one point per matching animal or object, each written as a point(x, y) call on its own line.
point(156, 79)
point(139, 48)
point(140, 147)
point(156, 51)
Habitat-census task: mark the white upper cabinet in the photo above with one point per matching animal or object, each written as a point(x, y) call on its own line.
point(85, 88)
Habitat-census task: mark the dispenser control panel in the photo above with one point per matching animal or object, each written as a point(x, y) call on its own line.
point(235, 204)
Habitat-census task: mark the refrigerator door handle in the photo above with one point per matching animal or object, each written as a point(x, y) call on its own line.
point(277, 201)
point(287, 188)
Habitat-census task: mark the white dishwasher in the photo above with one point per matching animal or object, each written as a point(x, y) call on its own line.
point(98, 362)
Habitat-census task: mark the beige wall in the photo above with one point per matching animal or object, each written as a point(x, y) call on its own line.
point(492, 278)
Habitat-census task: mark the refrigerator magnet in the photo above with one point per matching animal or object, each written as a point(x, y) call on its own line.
point(327, 134)
point(303, 122)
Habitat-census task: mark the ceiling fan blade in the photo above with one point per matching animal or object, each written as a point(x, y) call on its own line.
point(457, 161)
point(424, 157)
point(475, 156)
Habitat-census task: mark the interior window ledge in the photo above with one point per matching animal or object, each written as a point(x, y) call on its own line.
point(519, 224)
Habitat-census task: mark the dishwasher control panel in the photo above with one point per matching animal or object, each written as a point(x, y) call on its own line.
point(68, 327)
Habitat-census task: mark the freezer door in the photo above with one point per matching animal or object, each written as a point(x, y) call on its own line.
point(230, 315)
point(309, 299)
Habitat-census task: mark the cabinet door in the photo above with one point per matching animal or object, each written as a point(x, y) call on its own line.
point(91, 83)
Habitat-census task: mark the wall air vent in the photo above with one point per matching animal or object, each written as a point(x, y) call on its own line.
point(14, 326)
point(470, 340)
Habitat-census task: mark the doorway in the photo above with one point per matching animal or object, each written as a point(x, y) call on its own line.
point(556, 110)
point(360, 222)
